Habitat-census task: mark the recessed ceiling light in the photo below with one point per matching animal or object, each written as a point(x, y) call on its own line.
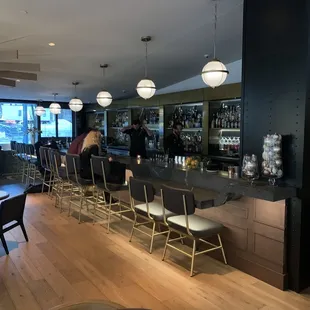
point(51, 44)
point(17, 81)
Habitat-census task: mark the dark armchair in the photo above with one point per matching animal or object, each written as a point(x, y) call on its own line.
point(12, 212)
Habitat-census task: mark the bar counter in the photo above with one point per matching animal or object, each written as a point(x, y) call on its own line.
point(254, 217)
point(216, 181)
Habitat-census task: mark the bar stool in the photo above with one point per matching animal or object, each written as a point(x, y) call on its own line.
point(188, 224)
point(32, 164)
point(142, 196)
point(62, 184)
point(82, 185)
point(45, 163)
point(101, 166)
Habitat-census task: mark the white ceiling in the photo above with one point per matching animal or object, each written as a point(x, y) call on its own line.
point(90, 32)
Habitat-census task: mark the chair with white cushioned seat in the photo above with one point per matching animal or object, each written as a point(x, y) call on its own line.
point(186, 223)
point(142, 196)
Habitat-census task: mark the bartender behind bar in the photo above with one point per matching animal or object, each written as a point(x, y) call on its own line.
point(137, 135)
point(174, 144)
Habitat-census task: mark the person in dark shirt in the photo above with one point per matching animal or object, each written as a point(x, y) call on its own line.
point(137, 135)
point(174, 144)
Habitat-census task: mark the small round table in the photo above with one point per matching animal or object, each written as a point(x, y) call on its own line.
point(90, 305)
point(4, 195)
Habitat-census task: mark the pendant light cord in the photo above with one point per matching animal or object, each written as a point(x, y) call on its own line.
point(75, 90)
point(215, 27)
point(103, 76)
point(146, 59)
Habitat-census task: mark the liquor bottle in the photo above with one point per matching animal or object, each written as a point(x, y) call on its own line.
point(213, 122)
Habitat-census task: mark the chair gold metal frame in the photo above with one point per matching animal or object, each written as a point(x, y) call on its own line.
point(80, 190)
point(188, 234)
point(46, 165)
point(107, 208)
point(61, 183)
point(149, 218)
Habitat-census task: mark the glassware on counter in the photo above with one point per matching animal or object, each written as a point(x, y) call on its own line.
point(250, 168)
point(272, 164)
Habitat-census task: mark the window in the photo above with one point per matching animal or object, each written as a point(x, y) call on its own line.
point(65, 123)
point(15, 120)
point(48, 124)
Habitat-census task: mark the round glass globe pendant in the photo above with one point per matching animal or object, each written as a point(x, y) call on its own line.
point(104, 98)
point(146, 88)
point(55, 107)
point(214, 73)
point(39, 110)
point(75, 103)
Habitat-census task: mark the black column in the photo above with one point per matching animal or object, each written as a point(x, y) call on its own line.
point(276, 99)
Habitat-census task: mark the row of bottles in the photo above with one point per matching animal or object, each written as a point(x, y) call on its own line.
point(227, 117)
point(229, 144)
point(189, 117)
point(192, 142)
point(151, 116)
point(121, 119)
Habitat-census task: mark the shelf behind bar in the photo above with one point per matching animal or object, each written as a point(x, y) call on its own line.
point(226, 129)
point(188, 129)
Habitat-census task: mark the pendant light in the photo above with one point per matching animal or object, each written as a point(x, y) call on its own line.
point(75, 103)
point(214, 73)
point(39, 110)
point(146, 87)
point(55, 107)
point(104, 98)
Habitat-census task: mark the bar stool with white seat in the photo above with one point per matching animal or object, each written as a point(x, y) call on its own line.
point(144, 205)
point(188, 224)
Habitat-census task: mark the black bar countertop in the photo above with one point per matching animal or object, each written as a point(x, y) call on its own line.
point(215, 181)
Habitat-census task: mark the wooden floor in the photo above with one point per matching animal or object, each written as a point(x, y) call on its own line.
point(65, 262)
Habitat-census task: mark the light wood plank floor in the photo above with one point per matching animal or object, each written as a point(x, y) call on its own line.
point(65, 262)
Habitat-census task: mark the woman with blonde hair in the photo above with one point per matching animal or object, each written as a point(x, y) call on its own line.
point(91, 146)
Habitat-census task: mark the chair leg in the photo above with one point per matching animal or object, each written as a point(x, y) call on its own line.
point(222, 249)
point(22, 226)
point(193, 257)
point(50, 189)
point(165, 249)
point(34, 174)
point(70, 202)
point(152, 238)
point(28, 174)
point(61, 195)
point(4, 244)
point(44, 176)
point(109, 214)
point(81, 205)
point(182, 241)
point(133, 228)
